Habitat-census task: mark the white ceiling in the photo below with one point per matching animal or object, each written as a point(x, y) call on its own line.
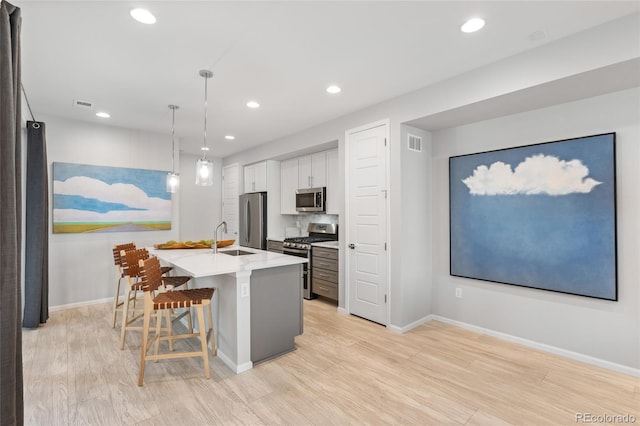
point(282, 54)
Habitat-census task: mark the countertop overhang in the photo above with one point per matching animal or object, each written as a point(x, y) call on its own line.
point(203, 262)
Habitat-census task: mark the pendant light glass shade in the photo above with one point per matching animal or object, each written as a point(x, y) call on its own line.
point(173, 178)
point(204, 172)
point(173, 182)
point(204, 167)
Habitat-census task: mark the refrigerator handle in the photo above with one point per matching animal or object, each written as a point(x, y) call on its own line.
point(248, 222)
point(246, 218)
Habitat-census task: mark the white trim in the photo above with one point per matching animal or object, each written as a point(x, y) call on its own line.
point(544, 347)
point(80, 304)
point(342, 311)
point(236, 368)
point(409, 327)
point(384, 122)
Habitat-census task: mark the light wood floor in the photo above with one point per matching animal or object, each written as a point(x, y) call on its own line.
point(345, 371)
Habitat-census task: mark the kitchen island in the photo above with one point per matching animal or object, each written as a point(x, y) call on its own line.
point(258, 299)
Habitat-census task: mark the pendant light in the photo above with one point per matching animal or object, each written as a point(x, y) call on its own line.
point(173, 178)
point(204, 167)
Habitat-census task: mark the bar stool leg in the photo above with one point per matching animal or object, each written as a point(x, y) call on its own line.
point(125, 319)
point(203, 340)
point(143, 348)
point(116, 301)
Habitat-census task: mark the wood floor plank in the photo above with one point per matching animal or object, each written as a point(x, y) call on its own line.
point(345, 370)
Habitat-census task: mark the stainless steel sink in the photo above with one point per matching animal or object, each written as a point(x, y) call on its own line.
point(235, 252)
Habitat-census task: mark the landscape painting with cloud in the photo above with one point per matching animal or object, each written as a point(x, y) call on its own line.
point(540, 216)
point(89, 198)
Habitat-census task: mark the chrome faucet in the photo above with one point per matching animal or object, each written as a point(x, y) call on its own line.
point(215, 235)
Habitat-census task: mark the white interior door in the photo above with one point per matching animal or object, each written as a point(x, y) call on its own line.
point(367, 233)
point(230, 199)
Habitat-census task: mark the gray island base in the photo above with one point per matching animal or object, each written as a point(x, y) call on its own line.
point(257, 305)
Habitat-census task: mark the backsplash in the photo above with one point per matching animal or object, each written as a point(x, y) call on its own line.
point(302, 221)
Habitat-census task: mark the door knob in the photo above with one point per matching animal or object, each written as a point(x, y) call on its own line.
point(352, 246)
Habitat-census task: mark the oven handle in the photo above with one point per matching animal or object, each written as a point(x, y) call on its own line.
point(295, 252)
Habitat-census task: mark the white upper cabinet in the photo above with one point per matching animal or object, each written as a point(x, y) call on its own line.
point(333, 180)
point(288, 186)
point(255, 177)
point(312, 170)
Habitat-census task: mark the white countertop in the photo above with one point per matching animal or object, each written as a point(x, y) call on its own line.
point(276, 238)
point(327, 244)
point(203, 263)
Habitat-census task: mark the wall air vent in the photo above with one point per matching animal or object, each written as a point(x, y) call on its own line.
point(82, 104)
point(414, 143)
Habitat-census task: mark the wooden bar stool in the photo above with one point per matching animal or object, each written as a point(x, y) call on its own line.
point(117, 260)
point(131, 271)
point(199, 298)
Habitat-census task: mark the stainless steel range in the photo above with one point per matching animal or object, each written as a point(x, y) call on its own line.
point(301, 247)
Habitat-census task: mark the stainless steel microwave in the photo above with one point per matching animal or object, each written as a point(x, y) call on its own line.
point(311, 199)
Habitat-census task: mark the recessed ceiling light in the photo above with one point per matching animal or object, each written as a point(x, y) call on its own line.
point(103, 114)
point(333, 89)
point(143, 16)
point(472, 25)
point(229, 137)
point(253, 104)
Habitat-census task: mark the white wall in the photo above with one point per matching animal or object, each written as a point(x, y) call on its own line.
point(81, 265)
point(200, 206)
point(602, 329)
point(416, 266)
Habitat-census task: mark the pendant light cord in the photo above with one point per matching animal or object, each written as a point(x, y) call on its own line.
point(206, 74)
point(173, 141)
point(204, 144)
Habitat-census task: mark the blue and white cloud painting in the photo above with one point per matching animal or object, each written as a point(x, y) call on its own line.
point(540, 216)
point(109, 199)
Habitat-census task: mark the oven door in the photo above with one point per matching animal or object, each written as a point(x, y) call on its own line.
point(310, 200)
point(306, 279)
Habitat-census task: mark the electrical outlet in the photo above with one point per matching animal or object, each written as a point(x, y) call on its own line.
point(244, 290)
point(458, 292)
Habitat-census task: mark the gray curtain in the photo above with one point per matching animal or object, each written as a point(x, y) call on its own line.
point(36, 258)
point(11, 402)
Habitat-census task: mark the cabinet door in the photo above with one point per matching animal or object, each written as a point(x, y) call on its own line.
point(319, 169)
point(288, 186)
point(304, 172)
point(249, 178)
point(334, 192)
point(260, 177)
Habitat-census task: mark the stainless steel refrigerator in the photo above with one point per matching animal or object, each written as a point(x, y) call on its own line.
point(253, 220)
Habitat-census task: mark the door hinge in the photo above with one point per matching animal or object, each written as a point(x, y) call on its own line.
point(385, 246)
point(385, 298)
point(385, 141)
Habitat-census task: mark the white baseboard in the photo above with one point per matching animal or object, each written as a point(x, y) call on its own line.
point(80, 304)
point(402, 330)
point(232, 365)
point(543, 347)
point(342, 311)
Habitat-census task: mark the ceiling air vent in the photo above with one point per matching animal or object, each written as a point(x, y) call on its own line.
point(414, 143)
point(82, 104)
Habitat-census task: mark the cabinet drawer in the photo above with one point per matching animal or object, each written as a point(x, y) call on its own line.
point(273, 245)
point(328, 253)
point(324, 288)
point(323, 263)
point(323, 274)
